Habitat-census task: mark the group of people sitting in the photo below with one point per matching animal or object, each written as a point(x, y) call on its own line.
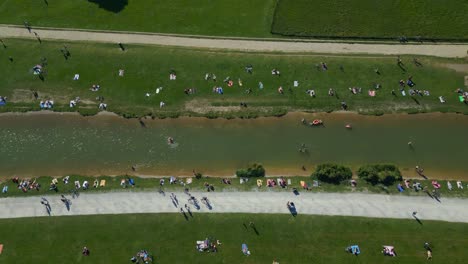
point(47, 104)
point(142, 256)
point(462, 95)
point(3, 100)
point(418, 92)
point(389, 251)
point(226, 181)
point(208, 245)
point(210, 76)
point(74, 102)
point(25, 185)
point(95, 88)
point(409, 82)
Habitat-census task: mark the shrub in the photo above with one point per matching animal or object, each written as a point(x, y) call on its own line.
point(332, 173)
point(254, 170)
point(385, 174)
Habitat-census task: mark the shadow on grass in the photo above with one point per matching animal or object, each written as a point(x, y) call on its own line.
point(111, 5)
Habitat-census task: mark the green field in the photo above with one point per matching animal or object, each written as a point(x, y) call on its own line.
point(148, 67)
point(429, 19)
point(172, 239)
point(199, 17)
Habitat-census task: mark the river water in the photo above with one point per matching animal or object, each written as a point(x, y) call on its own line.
point(61, 144)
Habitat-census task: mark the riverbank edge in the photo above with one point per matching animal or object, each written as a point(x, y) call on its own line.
point(153, 184)
point(256, 112)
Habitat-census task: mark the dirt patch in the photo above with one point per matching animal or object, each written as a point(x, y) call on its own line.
point(21, 95)
point(463, 68)
point(203, 106)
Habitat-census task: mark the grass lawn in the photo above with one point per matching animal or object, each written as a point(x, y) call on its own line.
point(152, 185)
point(429, 19)
point(172, 239)
point(148, 67)
point(241, 18)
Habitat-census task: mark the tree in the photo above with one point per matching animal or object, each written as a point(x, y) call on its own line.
point(254, 170)
point(385, 174)
point(332, 173)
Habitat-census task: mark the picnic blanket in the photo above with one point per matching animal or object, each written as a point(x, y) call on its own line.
point(245, 249)
point(102, 183)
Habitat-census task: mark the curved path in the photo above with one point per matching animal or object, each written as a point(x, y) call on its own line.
point(440, 50)
point(351, 204)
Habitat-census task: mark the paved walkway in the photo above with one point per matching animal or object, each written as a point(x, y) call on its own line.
point(367, 205)
point(440, 50)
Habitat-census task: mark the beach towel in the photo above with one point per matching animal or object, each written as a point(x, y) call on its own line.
point(441, 99)
point(407, 184)
point(403, 92)
point(77, 184)
point(245, 249)
point(355, 250)
point(260, 85)
point(316, 183)
point(259, 183)
point(2, 103)
point(461, 98)
point(371, 93)
point(303, 184)
point(102, 183)
point(400, 188)
point(296, 83)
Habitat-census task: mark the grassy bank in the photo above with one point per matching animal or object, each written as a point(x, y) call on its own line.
point(373, 20)
point(172, 239)
point(147, 67)
point(153, 185)
point(240, 18)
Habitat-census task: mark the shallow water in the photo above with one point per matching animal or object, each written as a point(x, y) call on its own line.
point(58, 144)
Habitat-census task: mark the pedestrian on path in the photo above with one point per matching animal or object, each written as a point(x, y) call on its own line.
point(45, 202)
point(27, 26)
point(37, 37)
point(66, 201)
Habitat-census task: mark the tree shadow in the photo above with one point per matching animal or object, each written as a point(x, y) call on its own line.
point(111, 5)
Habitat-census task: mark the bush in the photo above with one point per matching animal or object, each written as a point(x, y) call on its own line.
point(254, 170)
point(332, 173)
point(385, 174)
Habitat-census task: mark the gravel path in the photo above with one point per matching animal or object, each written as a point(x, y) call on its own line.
point(440, 50)
point(367, 205)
